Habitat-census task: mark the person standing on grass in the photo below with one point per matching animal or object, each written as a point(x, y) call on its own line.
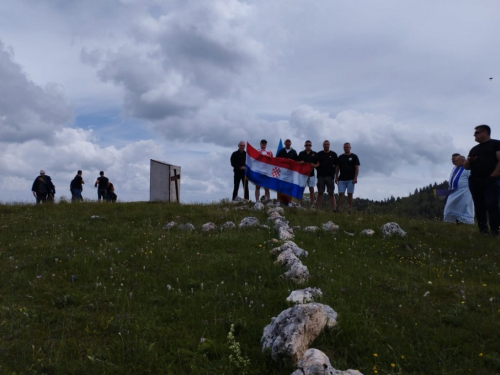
point(483, 162)
point(348, 166)
point(238, 162)
point(459, 207)
point(76, 187)
point(269, 154)
point(327, 160)
point(286, 153)
point(309, 156)
point(43, 189)
point(101, 184)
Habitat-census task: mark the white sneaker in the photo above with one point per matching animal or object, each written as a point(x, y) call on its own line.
point(312, 207)
point(277, 204)
point(289, 205)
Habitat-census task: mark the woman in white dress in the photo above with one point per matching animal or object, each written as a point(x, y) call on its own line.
point(459, 207)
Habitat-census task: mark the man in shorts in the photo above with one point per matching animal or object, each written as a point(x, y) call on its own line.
point(326, 170)
point(348, 166)
point(310, 157)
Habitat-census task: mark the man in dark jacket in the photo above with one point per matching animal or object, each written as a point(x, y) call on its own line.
point(43, 188)
point(238, 161)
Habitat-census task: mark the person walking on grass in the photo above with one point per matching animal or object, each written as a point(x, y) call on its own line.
point(309, 156)
point(483, 162)
point(76, 187)
point(348, 167)
point(238, 162)
point(102, 185)
point(43, 189)
point(327, 160)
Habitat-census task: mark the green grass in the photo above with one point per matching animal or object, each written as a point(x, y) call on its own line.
point(119, 294)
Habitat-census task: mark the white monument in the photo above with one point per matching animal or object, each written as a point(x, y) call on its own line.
point(164, 182)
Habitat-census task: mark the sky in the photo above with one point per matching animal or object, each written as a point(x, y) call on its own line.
point(110, 84)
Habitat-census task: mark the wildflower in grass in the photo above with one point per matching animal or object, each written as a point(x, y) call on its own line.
point(236, 358)
point(484, 285)
point(393, 365)
point(375, 355)
point(480, 354)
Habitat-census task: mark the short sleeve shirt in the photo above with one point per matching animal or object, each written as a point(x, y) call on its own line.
point(311, 158)
point(486, 159)
point(347, 166)
point(327, 162)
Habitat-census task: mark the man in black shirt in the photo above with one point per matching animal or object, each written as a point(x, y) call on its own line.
point(238, 161)
point(101, 184)
point(348, 166)
point(76, 187)
point(43, 189)
point(309, 156)
point(286, 153)
point(326, 170)
point(484, 181)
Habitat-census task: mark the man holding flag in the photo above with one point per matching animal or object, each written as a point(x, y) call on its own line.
point(286, 153)
point(268, 154)
point(284, 175)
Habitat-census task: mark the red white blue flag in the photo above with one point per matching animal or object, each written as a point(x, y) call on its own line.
point(282, 175)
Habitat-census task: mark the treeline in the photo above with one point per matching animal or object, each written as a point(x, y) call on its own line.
point(422, 203)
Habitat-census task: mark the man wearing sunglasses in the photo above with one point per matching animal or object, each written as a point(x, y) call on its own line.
point(484, 181)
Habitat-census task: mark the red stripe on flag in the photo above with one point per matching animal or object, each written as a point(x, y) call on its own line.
point(301, 168)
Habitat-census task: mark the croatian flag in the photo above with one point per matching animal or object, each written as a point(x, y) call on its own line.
point(283, 175)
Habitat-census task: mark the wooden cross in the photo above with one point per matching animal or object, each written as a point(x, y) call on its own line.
point(176, 177)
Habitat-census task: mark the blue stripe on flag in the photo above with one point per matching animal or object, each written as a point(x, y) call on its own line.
point(284, 187)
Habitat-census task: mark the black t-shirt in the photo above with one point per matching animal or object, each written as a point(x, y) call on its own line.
point(311, 158)
point(77, 182)
point(103, 182)
point(347, 166)
point(238, 160)
point(486, 159)
point(291, 154)
point(327, 162)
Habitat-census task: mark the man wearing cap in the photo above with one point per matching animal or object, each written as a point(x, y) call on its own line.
point(43, 188)
point(287, 153)
point(269, 154)
point(238, 161)
point(326, 172)
point(309, 156)
point(102, 185)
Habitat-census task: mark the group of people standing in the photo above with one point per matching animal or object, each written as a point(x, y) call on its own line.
point(44, 190)
point(330, 169)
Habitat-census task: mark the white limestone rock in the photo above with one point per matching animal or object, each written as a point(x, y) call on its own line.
point(294, 329)
point(367, 232)
point(228, 225)
point(169, 225)
point(311, 228)
point(188, 227)
point(330, 227)
point(315, 362)
point(390, 229)
point(249, 222)
point(279, 210)
point(301, 253)
point(238, 199)
point(240, 208)
point(274, 215)
point(266, 227)
point(286, 259)
point(207, 227)
point(297, 273)
point(306, 295)
point(285, 234)
point(258, 206)
point(280, 222)
point(296, 228)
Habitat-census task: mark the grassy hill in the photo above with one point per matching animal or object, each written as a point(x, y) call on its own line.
point(118, 294)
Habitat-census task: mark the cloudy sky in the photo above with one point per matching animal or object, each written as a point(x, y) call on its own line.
point(110, 84)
